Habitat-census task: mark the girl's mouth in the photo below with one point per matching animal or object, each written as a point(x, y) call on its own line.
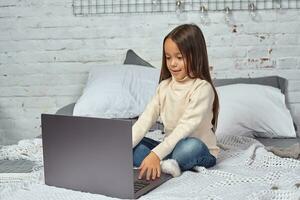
point(175, 71)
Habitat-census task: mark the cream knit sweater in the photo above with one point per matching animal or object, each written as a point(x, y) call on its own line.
point(185, 108)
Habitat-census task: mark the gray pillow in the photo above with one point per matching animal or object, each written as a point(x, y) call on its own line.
point(16, 166)
point(274, 81)
point(133, 59)
point(66, 110)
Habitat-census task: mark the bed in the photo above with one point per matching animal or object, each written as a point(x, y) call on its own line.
point(245, 169)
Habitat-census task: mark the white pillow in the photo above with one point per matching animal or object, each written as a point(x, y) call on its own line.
point(117, 91)
point(253, 110)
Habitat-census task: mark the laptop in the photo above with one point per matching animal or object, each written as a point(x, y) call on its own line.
point(92, 155)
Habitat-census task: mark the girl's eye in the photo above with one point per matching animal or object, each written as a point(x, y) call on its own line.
point(167, 58)
point(179, 57)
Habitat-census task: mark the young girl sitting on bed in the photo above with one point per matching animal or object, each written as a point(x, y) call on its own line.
point(188, 105)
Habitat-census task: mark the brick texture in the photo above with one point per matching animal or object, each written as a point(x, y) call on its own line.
point(46, 53)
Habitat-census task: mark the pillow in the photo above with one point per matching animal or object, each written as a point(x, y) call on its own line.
point(274, 81)
point(117, 91)
point(134, 59)
point(253, 110)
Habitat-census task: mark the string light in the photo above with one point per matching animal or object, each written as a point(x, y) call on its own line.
point(179, 6)
point(203, 15)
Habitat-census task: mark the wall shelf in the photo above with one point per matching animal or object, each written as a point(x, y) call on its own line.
point(106, 7)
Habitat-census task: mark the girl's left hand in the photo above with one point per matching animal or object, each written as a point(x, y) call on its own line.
point(150, 165)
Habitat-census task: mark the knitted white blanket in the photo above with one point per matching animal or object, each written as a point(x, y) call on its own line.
point(244, 170)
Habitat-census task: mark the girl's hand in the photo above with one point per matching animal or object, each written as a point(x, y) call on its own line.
point(150, 165)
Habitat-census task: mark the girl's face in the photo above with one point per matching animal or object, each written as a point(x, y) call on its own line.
point(175, 60)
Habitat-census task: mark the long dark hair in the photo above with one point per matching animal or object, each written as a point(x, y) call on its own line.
point(191, 44)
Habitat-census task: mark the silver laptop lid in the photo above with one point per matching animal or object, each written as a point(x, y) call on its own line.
point(88, 154)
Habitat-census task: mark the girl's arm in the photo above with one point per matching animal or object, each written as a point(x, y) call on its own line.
point(200, 105)
point(147, 119)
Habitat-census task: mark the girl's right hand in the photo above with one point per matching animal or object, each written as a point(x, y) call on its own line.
point(150, 165)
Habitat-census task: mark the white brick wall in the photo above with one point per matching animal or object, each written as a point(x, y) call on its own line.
point(46, 52)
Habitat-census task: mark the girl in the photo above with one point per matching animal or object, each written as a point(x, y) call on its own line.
point(188, 105)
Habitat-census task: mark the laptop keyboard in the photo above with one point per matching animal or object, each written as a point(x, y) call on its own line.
point(140, 184)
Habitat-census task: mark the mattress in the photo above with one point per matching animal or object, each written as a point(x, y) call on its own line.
point(244, 169)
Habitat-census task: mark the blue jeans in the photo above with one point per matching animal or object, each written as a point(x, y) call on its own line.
point(188, 153)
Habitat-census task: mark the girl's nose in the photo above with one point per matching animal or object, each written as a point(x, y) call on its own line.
point(173, 62)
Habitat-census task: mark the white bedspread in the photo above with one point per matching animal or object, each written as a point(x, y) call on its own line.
point(244, 170)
